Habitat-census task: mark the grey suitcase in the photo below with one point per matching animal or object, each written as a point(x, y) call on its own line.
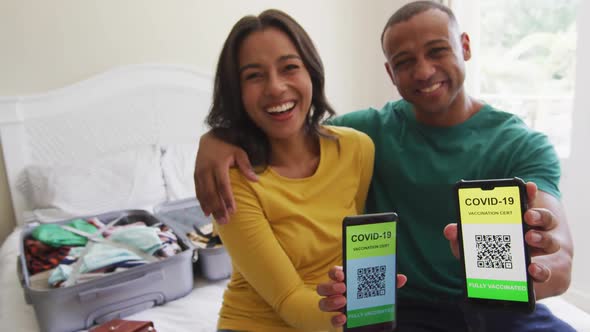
point(115, 295)
point(185, 214)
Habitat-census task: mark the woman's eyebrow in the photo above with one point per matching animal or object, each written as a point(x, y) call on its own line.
point(289, 57)
point(248, 66)
point(281, 58)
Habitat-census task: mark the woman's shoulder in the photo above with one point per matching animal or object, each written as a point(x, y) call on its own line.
point(344, 132)
point(239, 180)
point(346, 135)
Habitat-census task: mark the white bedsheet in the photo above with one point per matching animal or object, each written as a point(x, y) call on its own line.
point(196, 312)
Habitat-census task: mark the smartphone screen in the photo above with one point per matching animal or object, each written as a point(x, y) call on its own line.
point(491, 237)
point(369, 249)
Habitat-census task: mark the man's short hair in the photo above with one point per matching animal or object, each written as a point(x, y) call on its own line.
point(414, 8)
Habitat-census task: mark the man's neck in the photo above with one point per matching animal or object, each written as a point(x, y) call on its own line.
point(461, 110)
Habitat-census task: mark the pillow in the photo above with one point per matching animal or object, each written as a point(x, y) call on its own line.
point(178, 165)
point(125, 180)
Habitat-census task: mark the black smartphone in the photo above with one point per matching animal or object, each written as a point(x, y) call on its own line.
point(369, 248)
point(493, 251)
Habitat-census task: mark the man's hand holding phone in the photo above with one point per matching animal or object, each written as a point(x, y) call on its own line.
point(492, 249)
point(544, 238)
point(540, 238)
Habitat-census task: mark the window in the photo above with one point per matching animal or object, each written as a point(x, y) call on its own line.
point(524, 60)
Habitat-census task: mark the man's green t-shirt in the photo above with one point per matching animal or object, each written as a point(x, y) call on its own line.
point(416, 167)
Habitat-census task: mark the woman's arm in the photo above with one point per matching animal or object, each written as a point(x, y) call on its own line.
point(366, 149)
point(258, 256)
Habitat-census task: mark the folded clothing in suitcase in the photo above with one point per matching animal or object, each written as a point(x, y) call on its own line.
point(213, 261)
point(80, 301)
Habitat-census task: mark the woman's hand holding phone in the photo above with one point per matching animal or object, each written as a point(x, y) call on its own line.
point(333, 294)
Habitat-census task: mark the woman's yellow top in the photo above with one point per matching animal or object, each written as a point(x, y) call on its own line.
point(287, 233)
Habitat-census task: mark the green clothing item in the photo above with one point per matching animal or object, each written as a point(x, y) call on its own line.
point(416, 167)
point(55, 236)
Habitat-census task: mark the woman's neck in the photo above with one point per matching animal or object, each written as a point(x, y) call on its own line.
point(297, 157)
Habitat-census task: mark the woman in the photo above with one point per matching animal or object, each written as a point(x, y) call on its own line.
point(286, 231)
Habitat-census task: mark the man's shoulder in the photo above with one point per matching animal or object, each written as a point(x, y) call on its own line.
point(532, 155)
point(502, 116)
point(509, 123)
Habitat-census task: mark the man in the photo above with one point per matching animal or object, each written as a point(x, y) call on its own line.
point(424, 143)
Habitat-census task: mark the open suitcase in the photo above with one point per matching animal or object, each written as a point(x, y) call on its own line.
point(114, 295)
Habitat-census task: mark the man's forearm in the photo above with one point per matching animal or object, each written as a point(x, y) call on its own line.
point(560, 264)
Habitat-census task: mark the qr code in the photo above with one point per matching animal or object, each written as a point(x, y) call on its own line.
point(371, 281)
point(493, 251)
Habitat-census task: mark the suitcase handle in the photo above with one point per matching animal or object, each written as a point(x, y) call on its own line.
point(19, 272)
point(21, 278)
point(145, 279)
point(124, 308)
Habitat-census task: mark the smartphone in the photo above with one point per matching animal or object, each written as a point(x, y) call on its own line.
point(369, 248)
point(493, 252)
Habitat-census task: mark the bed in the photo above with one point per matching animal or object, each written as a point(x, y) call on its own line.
point(134, 129)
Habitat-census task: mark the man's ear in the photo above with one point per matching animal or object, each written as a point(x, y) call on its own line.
point(390, 73)
point(465, 46)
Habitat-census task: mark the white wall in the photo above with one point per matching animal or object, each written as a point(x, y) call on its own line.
point(50, 44)
point(576, 181)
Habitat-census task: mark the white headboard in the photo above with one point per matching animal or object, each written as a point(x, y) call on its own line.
point(111, 112)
